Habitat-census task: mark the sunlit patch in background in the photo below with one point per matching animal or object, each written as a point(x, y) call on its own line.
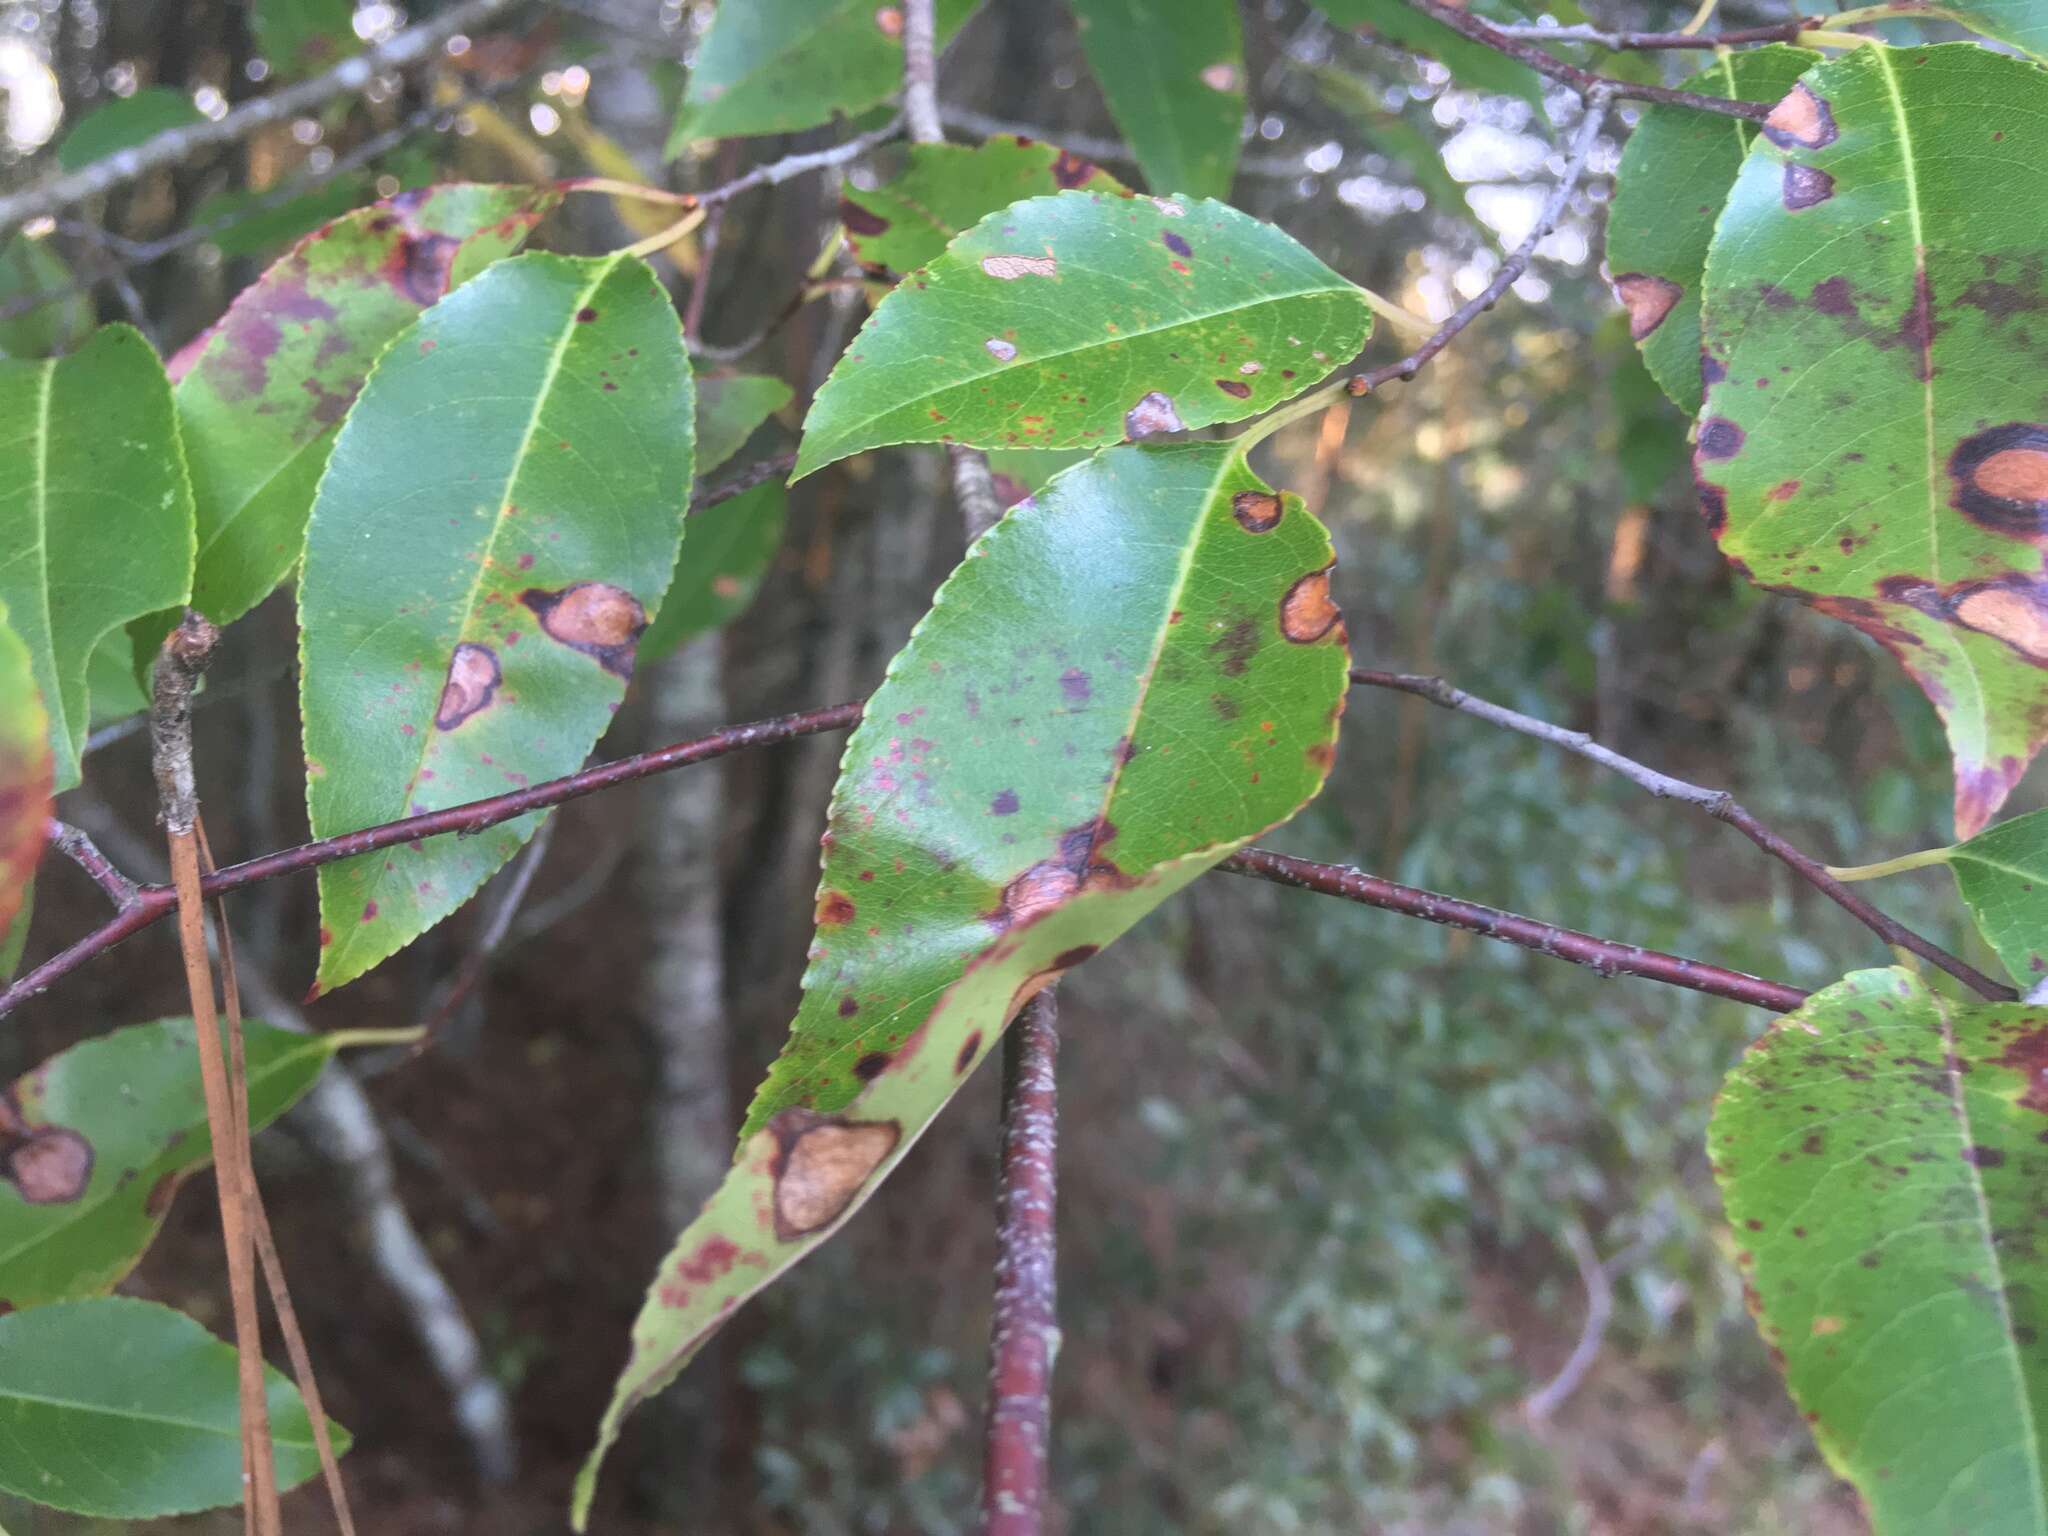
point(34, 107)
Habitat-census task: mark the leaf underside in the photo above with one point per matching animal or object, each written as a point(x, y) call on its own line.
point(1127, 679)
point(1881, 1156)
point(1875, 433)
point(1084, 318)
point(500, 517)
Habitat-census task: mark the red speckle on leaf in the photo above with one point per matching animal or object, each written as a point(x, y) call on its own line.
point(835, 909)
point(369, 911)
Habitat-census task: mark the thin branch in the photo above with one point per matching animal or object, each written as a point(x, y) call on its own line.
point(1606, 956)
point(1288, 167)
point(921, 73)
point(174, 144)
point(80, 850)
point(153, 903)
point(1717, 803)
point(743, 480)
point(1623, 42)
point(789, 167)
point(1510, 270)
point(1024, 1335)
point(1584, 81)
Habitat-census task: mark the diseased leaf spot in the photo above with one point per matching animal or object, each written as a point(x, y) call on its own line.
point(968, 1048)
point(1805, 186)
point(51, 1166)
point(835, 909)
point(418, 267)
point(1306, 612)
point(1175, 243)
point(1070, 170)
point(2013, 609)
point(889, 21)
point(1983, 1157)
point(871, 1066)
point(1004, 804)
point(585, 315)
point(1010, 268)
point(859, 221)
point(848, 1006)
point(820, 1164)
point(1713, 507)
point(1051, 883)
point(1712, 370)
point(1154, 413)
point(1168, 208)
point(1801, 121)
point(473, 678)
point(1220, 77)
point(1067, 959)
point(1235, 388)
point(594, 617)
point(1000, 349)
point(1236, 645)
point(1257, 511)
point(1720, 438)
point(1647, 299)
point(1076, 686)
point(2001, 479)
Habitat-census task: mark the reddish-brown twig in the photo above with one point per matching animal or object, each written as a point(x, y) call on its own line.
point(1607, 956)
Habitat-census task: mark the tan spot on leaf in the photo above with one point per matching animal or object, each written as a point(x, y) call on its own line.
point(1154, 413)
point(820, 1164)
point(1647, 299)
point(1220, 77)
point(1801, 120)
point(1010, 268)
point(473, 678)
point(1306, 612)
point(1257, 511)
point(52, 1167)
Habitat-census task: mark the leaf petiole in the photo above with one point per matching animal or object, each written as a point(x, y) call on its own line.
point(1898, 866)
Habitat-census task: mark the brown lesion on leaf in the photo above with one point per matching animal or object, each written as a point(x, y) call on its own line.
point(871, 1066)
point(969, 1049)
point(1720, 438)
point(1257, 511)
point(419, 266)
point(46, 1164)
point(594, 617)
point(1153, 414)
point(1069, 170)
point(835, 909)
point(1236, 646)
point(859, 221)
point(1999, 479)
point(2027, 1054)
point(1801, 121)
point(1307, 612)
point(1804, 186)
point(820, 1163)
point(1647, 299)
point(1078, 867)
point(473, 678)
point(1237, 389)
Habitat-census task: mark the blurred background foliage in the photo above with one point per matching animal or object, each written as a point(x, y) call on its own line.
point(1336, 1183)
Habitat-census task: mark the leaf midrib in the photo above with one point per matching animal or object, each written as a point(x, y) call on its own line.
point(853, 428)
point(602, 268)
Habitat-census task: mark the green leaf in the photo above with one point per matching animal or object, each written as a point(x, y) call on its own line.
point(261, 404)
point(302, 37)
point(1674, 175)
point(1123, 682)
point(1875, 434)
point(730, 549)
point(1473, 65)
point(259, 227)
point(115, 678)
point(1021, 472)
point(1395, 137)
point(946, 188)
point(95, 1141)
point(95, 512)
point(30, 267)
point(774, 66)
point(124, 123)
point(2002, 874)
point(124, 1409)
point(498, 521)
point(730, 407)
point(1173, 74)
point(1880, 1154)
point(2023, 23)
point(15, 939)
point(1076, 320)
point(1651, 435)
point(26, 768)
